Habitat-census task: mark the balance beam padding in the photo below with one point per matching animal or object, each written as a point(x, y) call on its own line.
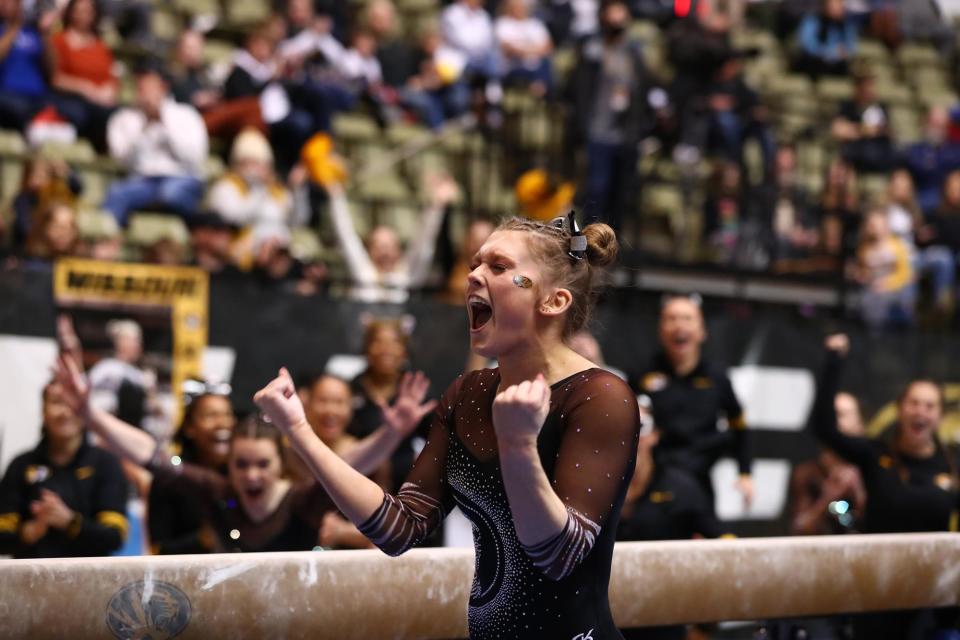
point(423, 594)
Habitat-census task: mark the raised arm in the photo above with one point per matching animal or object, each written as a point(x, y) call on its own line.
point(558, 523)
point(355, 254)
point(423, 246)
point(823, 418)
point(394, 523)
point(123, 439)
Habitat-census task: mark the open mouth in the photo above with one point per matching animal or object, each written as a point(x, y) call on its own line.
point(480, 312)
point(254, 494)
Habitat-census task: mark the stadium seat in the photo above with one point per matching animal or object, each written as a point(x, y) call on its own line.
point(147, 228)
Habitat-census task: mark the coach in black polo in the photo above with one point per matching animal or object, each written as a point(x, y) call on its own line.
point(689, 398)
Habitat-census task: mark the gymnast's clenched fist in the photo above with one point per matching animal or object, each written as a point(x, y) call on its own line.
point(519, 412)
point(280, 403)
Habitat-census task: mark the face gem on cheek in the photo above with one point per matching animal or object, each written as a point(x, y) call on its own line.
point(523, 282)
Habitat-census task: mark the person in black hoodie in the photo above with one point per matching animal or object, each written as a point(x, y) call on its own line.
point(909, 476)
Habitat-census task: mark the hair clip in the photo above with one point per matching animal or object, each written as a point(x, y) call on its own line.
point(193, 389)
point(578, 241)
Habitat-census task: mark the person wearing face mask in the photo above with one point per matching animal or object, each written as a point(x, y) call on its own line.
point(66, 498)
point(537, 453)
point(688, 395)
point(909, 476)
point(254, 507)
point(609, 114)
point(175, 516)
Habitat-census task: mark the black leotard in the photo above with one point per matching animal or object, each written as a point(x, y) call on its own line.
point(557, 589)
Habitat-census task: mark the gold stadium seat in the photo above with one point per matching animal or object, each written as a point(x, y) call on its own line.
point(355, 127)
point(305, 245)
point(94, 223)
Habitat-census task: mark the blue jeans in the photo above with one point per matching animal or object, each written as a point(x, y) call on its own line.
point(180, 194)
point(16, 111)
point(520, 74)
point(435, 107)
point(730, 131)
point(940, 264)
point(611, 178)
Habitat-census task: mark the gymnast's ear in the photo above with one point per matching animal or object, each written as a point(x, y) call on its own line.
point(556, 302)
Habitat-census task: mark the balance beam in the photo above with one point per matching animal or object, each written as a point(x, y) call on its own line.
point(423, 594)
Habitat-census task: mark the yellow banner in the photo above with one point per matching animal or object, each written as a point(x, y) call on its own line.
point(185, 290)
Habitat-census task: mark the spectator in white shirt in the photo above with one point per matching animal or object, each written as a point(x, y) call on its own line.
point(468, 28)
point(249, 194)
point(163, 144)
point(526, 47)
point(117, 384)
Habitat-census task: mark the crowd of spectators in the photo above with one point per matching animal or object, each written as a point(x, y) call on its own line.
point(687, 98)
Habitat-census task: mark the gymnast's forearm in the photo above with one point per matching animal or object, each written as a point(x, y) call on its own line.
point(538, 513)
point(355, 495)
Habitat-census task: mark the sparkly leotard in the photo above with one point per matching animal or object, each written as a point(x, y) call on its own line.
point(558, 588)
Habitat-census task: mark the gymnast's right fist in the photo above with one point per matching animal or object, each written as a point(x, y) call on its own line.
point(280, 404)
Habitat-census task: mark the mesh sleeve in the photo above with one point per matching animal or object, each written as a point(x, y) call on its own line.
point(406, 519)
point(594, 463)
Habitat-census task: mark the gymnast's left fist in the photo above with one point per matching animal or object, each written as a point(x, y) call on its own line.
point(519, 412)
point(280, 403)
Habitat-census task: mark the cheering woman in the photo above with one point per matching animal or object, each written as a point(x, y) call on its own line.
point(537, 453)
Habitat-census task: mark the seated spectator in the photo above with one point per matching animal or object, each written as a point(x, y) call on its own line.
point(930, 160)
point(942, 231)
point(84, 78)
point(607, 91)
point(437, 90)
point(723, 213)
point(25, 62)
point(54, 234)
point(192, 83)
point(906, 222)
point(736, 114)
point(379, 270)
point(819, 486)
point(163, 144)
point(176, 517)
point(45, 180)
point(862, 127)
point(526, 46)
point(211, 243)
point(828, 41)
point(398, 59)
point(65, 498)
point(839, 211)
point(794, 224)
point(467, 27)
point(883, 269)
point(249, 194)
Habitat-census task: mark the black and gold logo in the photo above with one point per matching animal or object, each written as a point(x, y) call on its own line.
point(148, 610)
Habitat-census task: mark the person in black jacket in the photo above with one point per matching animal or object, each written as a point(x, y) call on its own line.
point(910, 477)
point(65, 498)
point(688, 395)
point(608, 95)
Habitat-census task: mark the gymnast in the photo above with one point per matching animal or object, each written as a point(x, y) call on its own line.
point(537, 453)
